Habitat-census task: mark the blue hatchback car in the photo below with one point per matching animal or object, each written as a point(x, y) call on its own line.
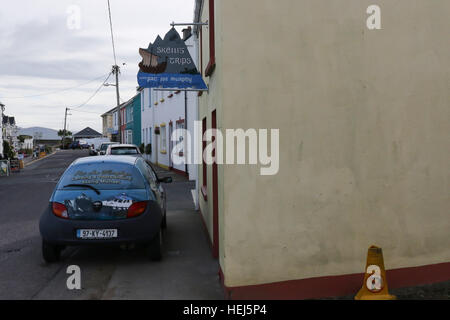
point(107, 200)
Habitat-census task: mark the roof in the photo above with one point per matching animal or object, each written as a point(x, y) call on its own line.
point(106, 159)
point(87, 133)
point(109, 112)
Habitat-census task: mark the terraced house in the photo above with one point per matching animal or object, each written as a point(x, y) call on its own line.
point(363, 119)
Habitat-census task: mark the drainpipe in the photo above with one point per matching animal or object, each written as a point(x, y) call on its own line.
point(186, 128)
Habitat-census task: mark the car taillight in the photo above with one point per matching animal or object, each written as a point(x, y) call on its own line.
point(60, 210)
point(137, 209)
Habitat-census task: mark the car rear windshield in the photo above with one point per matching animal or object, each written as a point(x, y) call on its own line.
point(123, 151)
point(103, 176)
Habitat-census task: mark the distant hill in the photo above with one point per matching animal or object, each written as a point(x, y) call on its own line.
point(47, 133)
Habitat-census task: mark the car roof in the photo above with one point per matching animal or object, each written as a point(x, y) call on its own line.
point(124, 145)
point(107, 159)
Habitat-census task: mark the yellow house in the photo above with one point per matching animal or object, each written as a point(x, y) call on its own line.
point(361, 98)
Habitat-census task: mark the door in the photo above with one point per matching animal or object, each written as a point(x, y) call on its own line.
point(170, 145)
point(215, 190)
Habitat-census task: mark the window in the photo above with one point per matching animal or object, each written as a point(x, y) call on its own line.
point(104, 176)
point(116, 151)
point(204, 168)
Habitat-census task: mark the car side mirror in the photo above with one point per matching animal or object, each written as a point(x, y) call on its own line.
point(166, 180)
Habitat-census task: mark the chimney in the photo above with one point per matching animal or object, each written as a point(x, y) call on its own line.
point(187, 33)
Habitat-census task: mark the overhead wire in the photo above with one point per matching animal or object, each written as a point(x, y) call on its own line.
point(55, 91)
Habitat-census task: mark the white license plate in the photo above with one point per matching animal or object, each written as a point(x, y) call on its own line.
point(96, 233)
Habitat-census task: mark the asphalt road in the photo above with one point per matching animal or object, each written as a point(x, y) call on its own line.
point(187, 270)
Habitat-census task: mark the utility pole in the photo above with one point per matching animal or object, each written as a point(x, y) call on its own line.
point(116, 71)
point(64, 132)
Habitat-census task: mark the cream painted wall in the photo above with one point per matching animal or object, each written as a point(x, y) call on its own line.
point(364, 136)
point(208, 102)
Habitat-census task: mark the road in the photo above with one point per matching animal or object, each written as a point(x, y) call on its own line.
point(187, 270)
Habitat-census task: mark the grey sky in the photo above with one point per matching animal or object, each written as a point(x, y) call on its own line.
point(39, 53)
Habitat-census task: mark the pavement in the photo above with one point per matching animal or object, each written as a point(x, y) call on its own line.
point(187, 271)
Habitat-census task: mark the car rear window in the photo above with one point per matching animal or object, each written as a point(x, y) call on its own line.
point(123, 151)
point(103, 176)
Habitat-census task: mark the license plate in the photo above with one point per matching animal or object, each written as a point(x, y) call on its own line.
point(96, 233)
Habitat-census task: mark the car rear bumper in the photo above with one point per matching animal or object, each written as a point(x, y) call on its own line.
point(141, 229)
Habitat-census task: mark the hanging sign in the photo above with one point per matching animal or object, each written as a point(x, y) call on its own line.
point(168, 64)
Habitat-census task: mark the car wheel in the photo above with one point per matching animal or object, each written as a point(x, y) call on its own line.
point(50, 252)
point(154, 250)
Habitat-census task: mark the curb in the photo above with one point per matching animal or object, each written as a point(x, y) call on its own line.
point(34, 161)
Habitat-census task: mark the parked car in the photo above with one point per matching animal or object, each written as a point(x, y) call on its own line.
point(105, 200)
point(123, 149)
point(75, 145)
point(104, 146)
point(83, 144)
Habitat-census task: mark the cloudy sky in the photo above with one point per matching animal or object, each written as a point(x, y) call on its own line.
point(45, 49)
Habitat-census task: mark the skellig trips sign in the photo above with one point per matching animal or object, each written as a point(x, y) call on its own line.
point(168, 64)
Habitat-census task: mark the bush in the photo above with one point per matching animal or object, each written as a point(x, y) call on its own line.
point(8, 152)
point(148, 149)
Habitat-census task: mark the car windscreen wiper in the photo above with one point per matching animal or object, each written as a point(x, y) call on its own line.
point(83, 185)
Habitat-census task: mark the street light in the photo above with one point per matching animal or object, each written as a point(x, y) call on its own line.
point(110, 85)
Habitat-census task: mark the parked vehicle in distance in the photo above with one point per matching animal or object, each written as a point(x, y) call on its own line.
point(83, 144)
point(123, 150)
point(105, 200)
point(104, 146)
point(75, 145)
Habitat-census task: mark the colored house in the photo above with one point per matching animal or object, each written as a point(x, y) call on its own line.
point(132, 134)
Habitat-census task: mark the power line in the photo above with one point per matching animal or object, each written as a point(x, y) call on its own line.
point(95, 93)
point(86, 111)
point(56, 91)
point(112, 34)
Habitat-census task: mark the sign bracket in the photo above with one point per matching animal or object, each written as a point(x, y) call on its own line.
point(173, 24)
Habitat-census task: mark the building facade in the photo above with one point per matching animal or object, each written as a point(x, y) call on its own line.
point(363, 144)
point(10, 131)
point(133, 121)
point(110, 125)
point(163, 112)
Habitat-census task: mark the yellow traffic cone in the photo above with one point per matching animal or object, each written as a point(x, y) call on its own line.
point(375, 286)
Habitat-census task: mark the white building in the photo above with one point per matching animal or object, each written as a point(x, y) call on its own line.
point(2, 108)
point(27, 144)
point(10, 131)
point(165, 111)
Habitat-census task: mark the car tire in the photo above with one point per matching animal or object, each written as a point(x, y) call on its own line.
point(154, 249)
point(50, 252)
